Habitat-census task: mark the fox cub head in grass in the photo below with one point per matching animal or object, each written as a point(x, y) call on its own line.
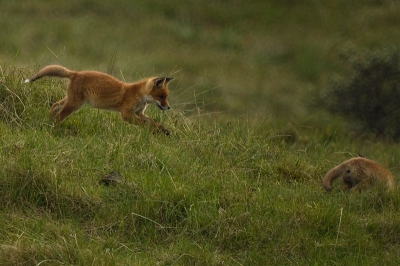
point(359, 174)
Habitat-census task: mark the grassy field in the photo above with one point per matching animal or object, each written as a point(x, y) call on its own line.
point(238, 182)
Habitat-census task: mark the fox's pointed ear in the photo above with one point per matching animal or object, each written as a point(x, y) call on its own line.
point(160, 81)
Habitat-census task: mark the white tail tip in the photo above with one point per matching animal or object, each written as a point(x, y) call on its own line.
point(27, 81)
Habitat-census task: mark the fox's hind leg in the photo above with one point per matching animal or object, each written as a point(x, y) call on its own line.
point(56, 107)
point(64, 108)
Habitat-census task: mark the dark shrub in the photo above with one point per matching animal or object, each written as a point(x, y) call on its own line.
point(370, 94)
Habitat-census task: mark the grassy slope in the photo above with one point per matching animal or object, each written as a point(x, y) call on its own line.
point(212, 193)
point(232, 189)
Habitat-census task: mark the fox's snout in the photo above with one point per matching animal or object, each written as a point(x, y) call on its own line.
point(163, 106)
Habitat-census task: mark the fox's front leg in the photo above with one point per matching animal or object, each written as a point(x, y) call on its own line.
point(141, 119)
point(153, 123)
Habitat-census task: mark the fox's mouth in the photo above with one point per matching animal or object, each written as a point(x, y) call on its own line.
point(163, 107)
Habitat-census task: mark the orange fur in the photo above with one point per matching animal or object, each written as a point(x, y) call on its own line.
point(103, 91)
point(359, 173)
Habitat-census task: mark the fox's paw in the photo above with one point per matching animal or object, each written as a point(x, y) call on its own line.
point(161, 129)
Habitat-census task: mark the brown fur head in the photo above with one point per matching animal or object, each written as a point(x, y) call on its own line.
point(159, 92)
point(358, 173)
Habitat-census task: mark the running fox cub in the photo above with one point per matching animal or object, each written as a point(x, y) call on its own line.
point(359, 173)
point(103, 91)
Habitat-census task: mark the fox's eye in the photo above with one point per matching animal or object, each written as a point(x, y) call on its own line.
point(162, 97)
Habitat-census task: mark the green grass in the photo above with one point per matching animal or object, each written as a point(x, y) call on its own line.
point(239, 180)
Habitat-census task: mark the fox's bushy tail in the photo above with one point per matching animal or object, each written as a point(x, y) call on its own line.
point(331, 176)
point(52, 71)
